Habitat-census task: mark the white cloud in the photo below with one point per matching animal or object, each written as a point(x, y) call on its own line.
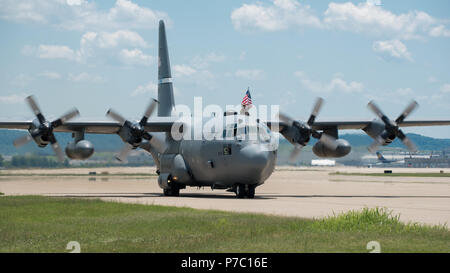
point(336, 84)
point(374, 19)
point(281, 14)
point(197, 72)
point(85, 77)
point(404, 91)
point(109, 44)
point(22, 80)
point(149, 88)
point(242, 55)
point(183, 70)
point(202, 62)
point(374, 2)
point(75, 2)
point(250, 74)
point(366, 17)
point(81, 15)
point(392, 48)
point(50, 75)
point(28, 50)
point(116, 39)
point(13, 98)
point(135, 57)
point(445, 88)
point(432, 79)
point(439, 31)
point(56, 52)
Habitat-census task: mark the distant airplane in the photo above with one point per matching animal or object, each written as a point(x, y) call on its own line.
point(236, 163)
point(383, 160)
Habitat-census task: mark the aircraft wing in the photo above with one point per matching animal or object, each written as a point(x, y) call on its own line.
point(348, 125)
point(322, 125)
point(340, 125)
point(354, 125)
point(424, 123)
point(91, 127)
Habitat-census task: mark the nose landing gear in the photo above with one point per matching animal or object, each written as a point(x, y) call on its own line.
point(245, 190)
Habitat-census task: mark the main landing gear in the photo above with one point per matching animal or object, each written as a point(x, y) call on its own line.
point(173, 190)
point(244, 190)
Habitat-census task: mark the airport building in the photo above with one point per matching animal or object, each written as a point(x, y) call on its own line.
point(441, 160)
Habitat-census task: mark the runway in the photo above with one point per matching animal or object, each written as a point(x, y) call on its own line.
point(299, 192)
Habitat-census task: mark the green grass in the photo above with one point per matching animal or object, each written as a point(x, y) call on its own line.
point(46, 224)
point(395, 174)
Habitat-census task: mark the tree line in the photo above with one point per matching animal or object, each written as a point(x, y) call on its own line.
point(21, 161)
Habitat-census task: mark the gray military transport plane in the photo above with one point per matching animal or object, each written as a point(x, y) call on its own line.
point(234, 163)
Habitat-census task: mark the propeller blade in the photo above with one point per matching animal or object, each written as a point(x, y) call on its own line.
point(151, 108)
point(372, 106)
point(36, 110)
point(315, 111)
point(33, 105)
point(123, 154)
point(158, 144)
point(408, 142)
point(410, 145)
point(56, 148)
point(285, 118)
point(374, 146)
point(66, 117)
point(155, 142)
point(58, 151)
point(295, 153)
point(148, 112)
point(22, 140)
point(411, 107)
point(116, 116)
point(328, 141)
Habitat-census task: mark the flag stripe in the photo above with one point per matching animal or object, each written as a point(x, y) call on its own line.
point(247, 100)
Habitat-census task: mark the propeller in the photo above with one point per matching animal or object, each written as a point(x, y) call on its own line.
point(134, 132)
point(305, 131)
point(44, 129)
point(392, 129)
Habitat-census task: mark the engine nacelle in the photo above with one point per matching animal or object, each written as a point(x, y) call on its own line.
point(378, 129)
point(82, 149)
point(41, 140)
point(175, 165)
point(298, 133)
point(343, 148)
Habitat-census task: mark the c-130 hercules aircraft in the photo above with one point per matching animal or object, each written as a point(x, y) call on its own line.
point(235, 163)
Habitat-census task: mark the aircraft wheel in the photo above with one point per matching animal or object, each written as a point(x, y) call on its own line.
point(240, 191)
point(251, 191)
point(173, 191)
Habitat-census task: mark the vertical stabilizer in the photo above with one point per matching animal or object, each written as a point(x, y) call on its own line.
point(165, 88)
point(380, 157)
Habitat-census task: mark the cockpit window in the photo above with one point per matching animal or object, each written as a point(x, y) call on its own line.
point(247, 132)
point(230, 131)
point(263, 133)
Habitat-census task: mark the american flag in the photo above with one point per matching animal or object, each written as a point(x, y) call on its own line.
point(247, 100)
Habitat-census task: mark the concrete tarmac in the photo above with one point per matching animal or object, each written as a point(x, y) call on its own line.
point(299, 192)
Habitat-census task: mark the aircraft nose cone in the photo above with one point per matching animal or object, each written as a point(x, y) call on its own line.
point(255, 161)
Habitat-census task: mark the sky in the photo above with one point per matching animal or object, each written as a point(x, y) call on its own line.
point(101, 54)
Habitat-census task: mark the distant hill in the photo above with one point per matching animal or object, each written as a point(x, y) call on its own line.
point(422, 142)
point(112, 143)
